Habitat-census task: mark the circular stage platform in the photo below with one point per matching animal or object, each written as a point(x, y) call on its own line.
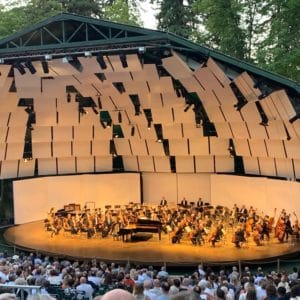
point(32, 236)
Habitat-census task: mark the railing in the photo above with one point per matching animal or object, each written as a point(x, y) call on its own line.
point(21, 290)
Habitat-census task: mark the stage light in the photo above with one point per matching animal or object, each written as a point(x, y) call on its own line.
point(119, 117)
point(132, 130)
point(141, 49)
point(48, 57)
point(1, 60)
point(88, 54)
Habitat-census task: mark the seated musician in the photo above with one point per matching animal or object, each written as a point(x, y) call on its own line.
point(184, 202)
point(239, 237)
point(217, 235)
point(163, 201)
point(199, 202)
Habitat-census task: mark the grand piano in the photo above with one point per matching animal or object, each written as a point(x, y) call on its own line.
point(142, 225)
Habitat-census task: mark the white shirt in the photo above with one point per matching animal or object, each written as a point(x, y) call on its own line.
point(87, 289)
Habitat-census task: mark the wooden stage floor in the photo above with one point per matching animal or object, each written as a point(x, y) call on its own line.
point(33, 236)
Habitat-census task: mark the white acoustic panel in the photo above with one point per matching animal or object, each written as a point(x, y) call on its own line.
point(184, 164)
point(146, 163)
point(257, 131)
point(208, 98)
point(155, 148)
point(61, 149)
point(224, 164)
point(101, 133)
point(230, 113)
point(130, 163)
point(267, 166)
point(176, 66)
point(199, 146)
point(83, 133)
point(218, 146)
point(41, 150)
point(143, 130)
point(66, 165)
point(217, 71)
point(284, 167)
point(242, 147)
point(225, 95)
point(297, 168)
point(178, 147)
point(172, 131)
point(116, 63)
point(162, 164)
point(122, 146)
point(2, 151)
point(206, 78)
point(16, 134)
point(214, 113)
point(162, 115)
point(47, 166)
point(180, 116)
point(90, 117)
point(117, 76)
point(246, 86)
point(251, 165)
point(171, 100)
point(44, 118)
point(296, 126)
point(61, 67)
point(191, 131)
point(14, 151)
point(41, 134)
point(68, 117)
point(258, 148)
point(133, 62)
point(250, 113)
point(85, 164)
point(283, 105)
point(4, 118)
point(149, 71)
point(62, 133)
point(275, 148)
point(18, 117)
point(89, 64)
point(104, 163)
point(100, 148)
point(138, 147)
point(82, 148)
point(223, 130)
point(9, 169)
point(292, 148)
point(239, 130)
point(204, 164)
point(276, 130)
point(269, 108)
point(26, 168)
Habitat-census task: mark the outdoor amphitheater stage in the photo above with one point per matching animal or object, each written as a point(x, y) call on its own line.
point(33, 237)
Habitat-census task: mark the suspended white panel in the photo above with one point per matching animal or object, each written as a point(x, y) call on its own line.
point(267, 166)
point(81, 148)
point(291, 130)
point(146, 163)
point(246, 85)
point(223, 130)
point(191, 84)
point(171, 100)
point(241, 147)
point(133, 62)
point(122, 146)
point(9, 169)
point(283, 104)
point(276, 130)
point(14, 151)
point(250, 113)
point(100, 148)
point(269, 108)
point(184, 164)
point(178, 147)
point(199, 146)
point(251, 165)
point(41, 150)
point(204, 164)
point(16, 134)
point(239, 130)
point(136, 87)
point(225, 95)
point(61, 149)
point(108, 65)
point(292, 148)
point(83, 133)
point(206, 78)
point(26, 168)
point(180, 116)
point(4, 119)
point(224, 164)
point(214, 114)
point(62, 68)
point(90, 64)
point(275, 148)
point(258, 148)
point(138, 147)
point(191, 131)
point(43, 104)
point(104, 163)
point(44, 118)
point(122, 101)
point(149, 72)
point(18, 117)
point(176, 67)
point(217, 71)
point(208, 98)
point(218, 146)
point(4, 70)
point(162, 164)
point(66, 165)
point(172, 131)
point(2, 151)
point(101, 133)
point(85, 164)
point(284, 167)
point(297, 167)
point(141, 130)
point(26, 80)
point(47, 166)
point(117, 76)
point(90, 117)
point(116, 63)
point(230, 113)
point(257, 131)
point(136, 119)
point(296, 126)
point(41, 134)
point(163, 115)
point(155, 148)
point(106, 102)
point(130, 163)
point(54, 87)
point(62, 133)
point(68, 117)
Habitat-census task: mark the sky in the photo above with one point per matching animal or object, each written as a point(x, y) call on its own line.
point(147, 12)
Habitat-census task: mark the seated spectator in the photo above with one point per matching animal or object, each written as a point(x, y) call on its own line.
point(85, 288)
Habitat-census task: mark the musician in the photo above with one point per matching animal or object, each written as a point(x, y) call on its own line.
point(199, 203)
point(239, 236)
point(217, 235)
point(288, 227)
point(163, 201)
point(184, 202)
point(243, 214)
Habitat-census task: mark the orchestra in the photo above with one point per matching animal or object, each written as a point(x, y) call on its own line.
point(199, 223)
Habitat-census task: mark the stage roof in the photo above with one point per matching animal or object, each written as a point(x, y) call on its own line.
point(83, 95)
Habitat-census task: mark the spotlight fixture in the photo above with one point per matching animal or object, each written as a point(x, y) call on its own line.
point(48, 57)
point(1, 60)
point(141, 49)
point(88, 54)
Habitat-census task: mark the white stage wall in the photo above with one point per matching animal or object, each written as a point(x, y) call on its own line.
point(33, 198)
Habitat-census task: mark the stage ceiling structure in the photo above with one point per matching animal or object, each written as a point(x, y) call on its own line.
point(83, 95)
